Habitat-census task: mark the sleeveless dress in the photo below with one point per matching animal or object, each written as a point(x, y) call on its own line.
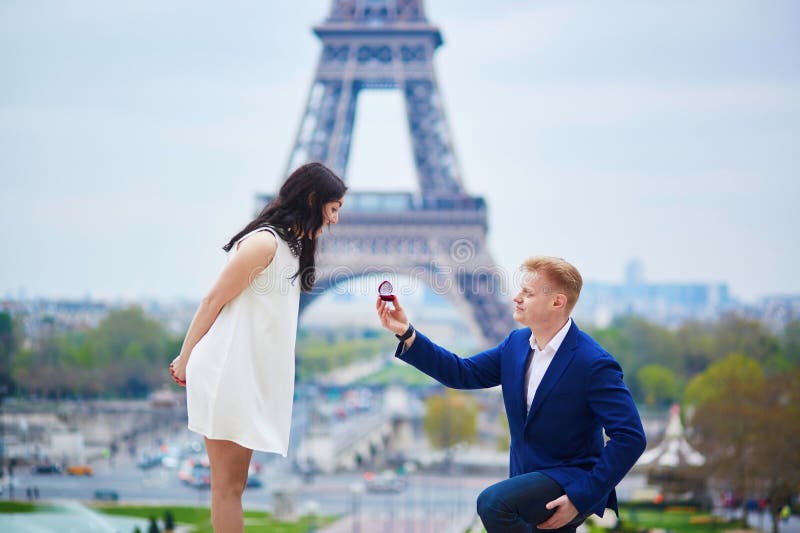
point(240, 375)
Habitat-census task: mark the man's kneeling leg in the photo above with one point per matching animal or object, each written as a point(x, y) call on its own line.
point(517, 505)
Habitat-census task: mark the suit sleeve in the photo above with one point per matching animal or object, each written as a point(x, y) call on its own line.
point(479, 371)
point(612, 404)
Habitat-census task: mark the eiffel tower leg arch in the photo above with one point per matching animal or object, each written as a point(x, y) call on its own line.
point(417, 277)
point(456, 267)
point(467, 276)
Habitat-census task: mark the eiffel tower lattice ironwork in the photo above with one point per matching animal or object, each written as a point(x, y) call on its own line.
point(437, 235)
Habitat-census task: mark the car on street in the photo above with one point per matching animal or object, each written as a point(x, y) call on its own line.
point(254, 482)
point(46, 468)
point(387, 482)
point(106, 495)
point(80, 470)
point(150, 461)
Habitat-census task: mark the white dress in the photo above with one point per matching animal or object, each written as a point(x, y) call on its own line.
point(240, 376)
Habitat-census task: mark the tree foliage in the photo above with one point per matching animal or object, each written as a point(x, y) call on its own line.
point(10, 340)
point(698, 347)
point(125, 355)
point(777, 452)
point(747, 424)
point(450, 418)
point(658, 383)
point(736, 334)
point(693, 347)
point(736, 374)
point(790, 344)
point(319, 354)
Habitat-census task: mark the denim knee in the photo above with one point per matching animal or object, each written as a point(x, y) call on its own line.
point(488, 502)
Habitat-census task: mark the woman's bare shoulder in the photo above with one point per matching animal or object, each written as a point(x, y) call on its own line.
point(259, 242)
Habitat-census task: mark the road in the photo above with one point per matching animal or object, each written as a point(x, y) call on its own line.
point(327, 494)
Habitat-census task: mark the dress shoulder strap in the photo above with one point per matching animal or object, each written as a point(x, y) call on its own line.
point(260, 228)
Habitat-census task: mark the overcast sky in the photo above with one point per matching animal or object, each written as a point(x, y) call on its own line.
point(133, 136)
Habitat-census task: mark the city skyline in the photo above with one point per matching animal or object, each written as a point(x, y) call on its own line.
point(135, 138)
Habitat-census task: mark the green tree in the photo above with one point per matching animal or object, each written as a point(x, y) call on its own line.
point(727, 398)
point(635, 342)
point(651, 343)
point(736, 372)
point(617, 343)
point(132, 351)
point(81, 372)
point(776, 451)
point(737, 334)
point(698, 347)
point(120, 329)
point(318, 355)
point(790, 343)
point(749, 428)
point(38, 369)
point(658, 383)
point(125, 355)
point(9, 345)
point(450, 418)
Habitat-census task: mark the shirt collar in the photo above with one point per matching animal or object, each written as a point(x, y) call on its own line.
point(555, 342)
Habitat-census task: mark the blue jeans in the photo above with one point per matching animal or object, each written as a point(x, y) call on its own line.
point(516, 505)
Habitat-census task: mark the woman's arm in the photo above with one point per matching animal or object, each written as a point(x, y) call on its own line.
point(254, 255)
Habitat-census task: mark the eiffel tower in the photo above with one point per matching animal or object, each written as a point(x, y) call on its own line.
point(436, 235)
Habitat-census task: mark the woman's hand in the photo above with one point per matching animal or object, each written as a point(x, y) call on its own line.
point(177, 370)
point(392, 317)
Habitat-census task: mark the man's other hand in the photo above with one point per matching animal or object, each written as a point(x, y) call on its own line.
point(565, 513)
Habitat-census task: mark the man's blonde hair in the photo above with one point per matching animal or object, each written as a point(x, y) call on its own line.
point(561, 275)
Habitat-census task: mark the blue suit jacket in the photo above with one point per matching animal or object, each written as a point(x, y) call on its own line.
point(561, 436)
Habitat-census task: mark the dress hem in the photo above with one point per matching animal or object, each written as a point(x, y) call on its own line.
point(240, 442)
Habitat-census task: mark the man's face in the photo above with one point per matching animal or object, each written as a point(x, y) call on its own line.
point(534, 301)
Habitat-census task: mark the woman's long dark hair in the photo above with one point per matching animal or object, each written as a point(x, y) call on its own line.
point(296, 213)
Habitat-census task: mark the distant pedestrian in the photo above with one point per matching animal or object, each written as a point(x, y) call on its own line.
point(237, 361)
point(169, 522)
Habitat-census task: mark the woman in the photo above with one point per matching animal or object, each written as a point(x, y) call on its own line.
point(237, 361)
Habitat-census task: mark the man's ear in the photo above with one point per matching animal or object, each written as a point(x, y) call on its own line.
point(560, 301)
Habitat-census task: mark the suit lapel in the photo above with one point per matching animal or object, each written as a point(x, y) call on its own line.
point(522, 352)
point(558, 365)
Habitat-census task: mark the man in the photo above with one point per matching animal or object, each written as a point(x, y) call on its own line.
point(560, 389)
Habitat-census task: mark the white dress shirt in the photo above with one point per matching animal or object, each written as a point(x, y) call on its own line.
point(541, 359)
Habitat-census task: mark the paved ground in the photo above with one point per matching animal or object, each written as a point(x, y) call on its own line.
point(69, 518)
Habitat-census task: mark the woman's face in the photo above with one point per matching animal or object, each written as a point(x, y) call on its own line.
point(330, 213)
